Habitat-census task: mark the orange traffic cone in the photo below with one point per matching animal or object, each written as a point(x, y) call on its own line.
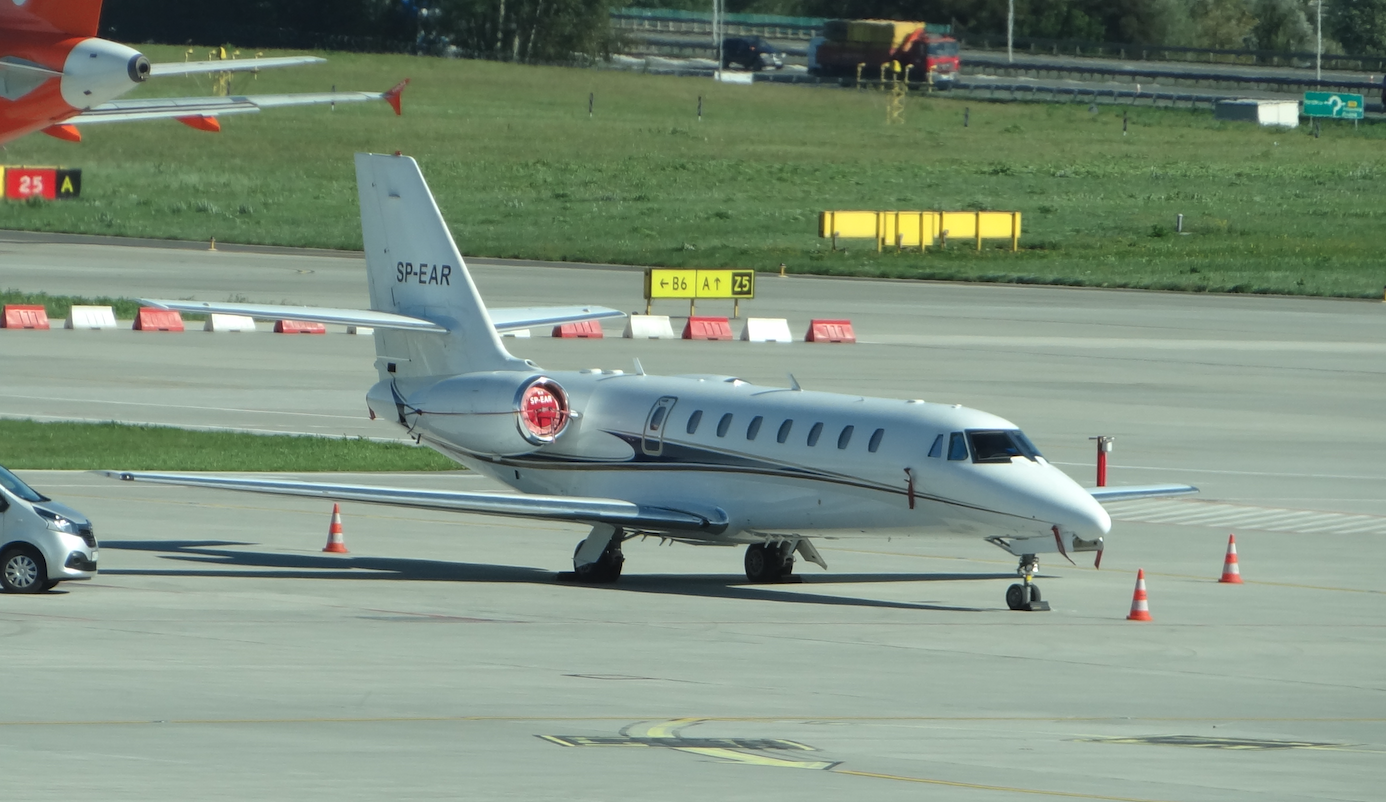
point(1230, 572)
point(335, 544)
point(1140, 607)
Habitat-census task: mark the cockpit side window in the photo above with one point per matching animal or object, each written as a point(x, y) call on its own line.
point(957, 446)
point(936, 450)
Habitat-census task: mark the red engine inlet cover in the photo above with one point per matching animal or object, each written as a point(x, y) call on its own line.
point(543, 410)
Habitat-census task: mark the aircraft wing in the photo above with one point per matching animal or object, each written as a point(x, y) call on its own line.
point(539, 316)
point(162, 108)
point(1104, 494)
point(229, 65)
point(308, 314)
point(552, 508)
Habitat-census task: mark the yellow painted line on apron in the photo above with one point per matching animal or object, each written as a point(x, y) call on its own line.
point(733, 756)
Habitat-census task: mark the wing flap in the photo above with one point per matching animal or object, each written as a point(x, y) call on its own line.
point(309, 314)
point(552, 508)
point(1106, 494)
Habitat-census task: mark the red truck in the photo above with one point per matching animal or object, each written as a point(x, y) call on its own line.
point(845, 44)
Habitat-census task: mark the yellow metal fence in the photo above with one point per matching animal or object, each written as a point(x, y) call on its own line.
point(919, 229)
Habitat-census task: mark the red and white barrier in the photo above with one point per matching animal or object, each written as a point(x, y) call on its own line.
point(298, 327)
point(151, 319)
point(766, 330)
point(649, 327)
point(707, 328)
point(826, 330)
point(223, 323)
point(24, 316)
point(90, 317)
point(581, 330)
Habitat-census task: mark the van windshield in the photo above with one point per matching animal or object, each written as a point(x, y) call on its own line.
point(16, 486)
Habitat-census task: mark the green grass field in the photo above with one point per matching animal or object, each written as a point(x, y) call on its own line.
point(521, 171)
point(30, 445)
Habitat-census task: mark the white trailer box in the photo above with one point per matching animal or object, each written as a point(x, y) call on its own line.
point(1284, 113)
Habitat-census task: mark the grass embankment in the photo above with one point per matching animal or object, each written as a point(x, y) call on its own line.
point(30, 445)
point(520, 170)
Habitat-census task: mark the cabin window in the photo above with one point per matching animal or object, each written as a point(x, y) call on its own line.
point(845, 438)
point(754, 428)
point(957, 446)
point(936, 450)
point(724, 424)
point(814, 433)
point(783, 433)
point(694, 420)
point(657, 417)
point(875, 440)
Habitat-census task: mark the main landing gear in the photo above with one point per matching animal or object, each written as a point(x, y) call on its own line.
point(598, 559)
point(1026, 596)
point(770, 562)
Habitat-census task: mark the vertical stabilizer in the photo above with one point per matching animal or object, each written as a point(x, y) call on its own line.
point(415, 269)
point(70, 17)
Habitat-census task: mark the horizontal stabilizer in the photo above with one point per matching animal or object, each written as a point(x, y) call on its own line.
point(1105, 494)
point(553, 508)
point(309, 314)
point(540, 316)
point(230, 65)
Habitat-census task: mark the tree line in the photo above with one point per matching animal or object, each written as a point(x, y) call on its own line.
point(568, 30)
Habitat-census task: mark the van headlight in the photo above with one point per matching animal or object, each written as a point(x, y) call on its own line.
point(56, 522)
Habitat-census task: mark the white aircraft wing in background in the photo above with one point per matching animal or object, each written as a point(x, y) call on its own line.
point(504, 319)
point(612, 512)
point(185, 108)
point(229, 65)
point(1107, 494)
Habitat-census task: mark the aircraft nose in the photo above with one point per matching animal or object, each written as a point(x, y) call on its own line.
point(1085, 517)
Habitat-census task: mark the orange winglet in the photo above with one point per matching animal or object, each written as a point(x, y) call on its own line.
point(202, 123)
point(392, 97)
point(67, 133)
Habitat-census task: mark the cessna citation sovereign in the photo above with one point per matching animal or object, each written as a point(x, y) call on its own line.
point(707, 460)
point(56, 75)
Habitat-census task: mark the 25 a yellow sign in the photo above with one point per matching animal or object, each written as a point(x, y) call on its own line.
point(678, 283)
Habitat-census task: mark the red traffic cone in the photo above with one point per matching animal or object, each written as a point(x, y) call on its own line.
point(1140, 607)
point(335, 544)
point(1230, 572)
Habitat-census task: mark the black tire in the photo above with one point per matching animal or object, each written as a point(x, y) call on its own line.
point(1015, 597)
point(763, 563)
point(1034, 592)
point(23, 570)
point(605, 570)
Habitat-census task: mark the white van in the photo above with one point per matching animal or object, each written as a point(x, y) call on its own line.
point(42, 542)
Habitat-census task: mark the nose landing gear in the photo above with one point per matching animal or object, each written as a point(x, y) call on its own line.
point(1026, 596)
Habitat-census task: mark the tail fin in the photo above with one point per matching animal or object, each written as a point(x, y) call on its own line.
point(71, 17)
point(415, 269)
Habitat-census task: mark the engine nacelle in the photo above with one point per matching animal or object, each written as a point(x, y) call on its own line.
point(499, 413)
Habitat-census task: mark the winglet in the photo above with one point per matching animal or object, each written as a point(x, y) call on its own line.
point(393, 96)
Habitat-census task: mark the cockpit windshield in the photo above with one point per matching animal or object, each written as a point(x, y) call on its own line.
point(16, 486)
point(1000, 445)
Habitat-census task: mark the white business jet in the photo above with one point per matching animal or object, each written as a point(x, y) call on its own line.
point(705, 460)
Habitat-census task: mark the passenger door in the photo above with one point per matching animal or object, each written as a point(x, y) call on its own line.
point(653, 441)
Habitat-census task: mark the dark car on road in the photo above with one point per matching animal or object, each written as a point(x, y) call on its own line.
point(751, 53)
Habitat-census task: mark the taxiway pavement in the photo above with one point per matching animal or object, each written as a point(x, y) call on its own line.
point(220, 654)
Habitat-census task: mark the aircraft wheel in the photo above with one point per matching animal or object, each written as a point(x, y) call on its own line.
point(605, 570)
point(1015, 597)
point(763, 563)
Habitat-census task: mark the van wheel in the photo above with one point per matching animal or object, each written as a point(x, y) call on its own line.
point(22, 570)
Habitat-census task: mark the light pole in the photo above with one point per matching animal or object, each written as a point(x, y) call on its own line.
point(717, 31)
point(1318, 53)
point(1010, 29)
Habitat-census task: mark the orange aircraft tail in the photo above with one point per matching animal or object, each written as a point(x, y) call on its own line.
point(71, 17)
